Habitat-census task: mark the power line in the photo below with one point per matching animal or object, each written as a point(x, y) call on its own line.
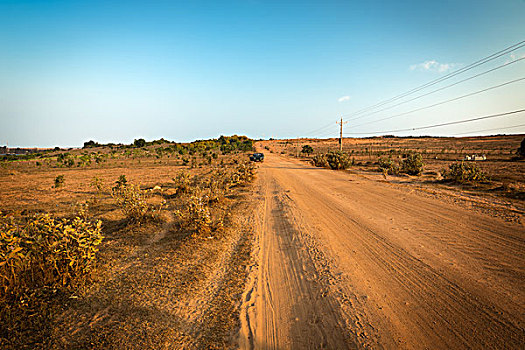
point(494, 129)
point(440, 89)
point(445, 77)
point(319, 129)
point(328, 132)
point(442, 124)
point(433, 82)
point(442, 102)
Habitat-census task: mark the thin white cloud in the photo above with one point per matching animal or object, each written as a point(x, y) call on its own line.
point(433, 66)
point(343, 98)
point(513, 57)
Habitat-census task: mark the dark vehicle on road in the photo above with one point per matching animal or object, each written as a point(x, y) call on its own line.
point(257, 157)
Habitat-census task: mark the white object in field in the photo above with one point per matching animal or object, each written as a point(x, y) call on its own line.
point(475, 157)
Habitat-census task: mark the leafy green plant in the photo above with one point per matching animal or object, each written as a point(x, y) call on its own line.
point(388, 166)
point(59, 181)
point(319, 160)
point(196, 215)
point(121, 182)
point(464, 172)
point(182, 182)
point(214, 188)
point(338, 160)
point(44, 252)
point(412, 164)
point(243, 173)
point(307, 149)
point(98, 184)
point(134, 203)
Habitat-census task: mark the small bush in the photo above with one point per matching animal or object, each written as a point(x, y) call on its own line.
point(307, 149)
point(121, 182)
point(59, 181)
point(196, 215)
point(44, 252)
point(98, 184)
point(464, 172)
point(388, 166)
point(134, 202)
point(244, 173)
point(182, 182)
point(216, 186)
point(338, 160)
point(319, 160)
point(412, 164)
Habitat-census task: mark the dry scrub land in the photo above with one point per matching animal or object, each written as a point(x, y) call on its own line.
point(170, 267)
point(197, 255)
point(502, 193)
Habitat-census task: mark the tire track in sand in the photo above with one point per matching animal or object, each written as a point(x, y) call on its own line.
point(286, 305)
point(410, 272)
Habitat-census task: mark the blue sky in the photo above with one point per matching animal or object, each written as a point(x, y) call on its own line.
point(112, 71)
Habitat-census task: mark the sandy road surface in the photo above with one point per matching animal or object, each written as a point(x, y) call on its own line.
point(346, 262)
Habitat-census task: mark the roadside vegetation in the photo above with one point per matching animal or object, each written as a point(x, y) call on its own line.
point(491, 163)
point(94, 154)
point(57, 252)
point(42, 258)
point(463, 172)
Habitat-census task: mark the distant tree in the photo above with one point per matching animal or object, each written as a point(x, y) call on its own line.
point(307, 149)
point(90, 143)
point(139, 143)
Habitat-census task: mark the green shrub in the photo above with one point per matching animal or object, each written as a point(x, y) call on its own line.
point(44, 252)
point(319, 160)
point(245, 172)
point(196, 215)
point(338, 160)
point(388, 166)
point(182, 182)
point(464, 172)
point(412, 164)
point(307, 149)
point(98, 184)
point(134, 203)
point(59, 181)
point(121, 182)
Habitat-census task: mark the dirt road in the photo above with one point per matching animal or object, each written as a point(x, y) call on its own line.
point(346, 262)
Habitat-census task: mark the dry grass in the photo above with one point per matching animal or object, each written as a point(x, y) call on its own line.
point(502, 166)
point(148, 270)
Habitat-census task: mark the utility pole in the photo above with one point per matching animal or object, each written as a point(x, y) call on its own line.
point(341, 123)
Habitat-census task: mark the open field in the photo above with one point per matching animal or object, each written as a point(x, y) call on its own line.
point(506, 179)
point(283, 255)
point(167, 280)
point(437, 152)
